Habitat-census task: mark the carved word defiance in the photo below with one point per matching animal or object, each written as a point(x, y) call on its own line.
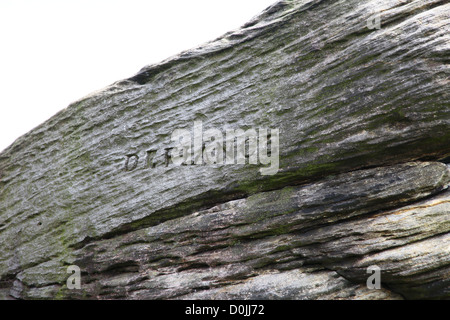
point(212, 147)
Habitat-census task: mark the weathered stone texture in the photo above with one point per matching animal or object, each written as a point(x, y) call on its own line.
point(364, 119)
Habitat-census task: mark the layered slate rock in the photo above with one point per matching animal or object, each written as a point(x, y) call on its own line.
point(364, 121)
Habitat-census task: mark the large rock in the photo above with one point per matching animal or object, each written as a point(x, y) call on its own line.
point(364, 129)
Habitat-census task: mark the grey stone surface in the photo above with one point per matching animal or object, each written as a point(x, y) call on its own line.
point(364, 119)
point(295, 284)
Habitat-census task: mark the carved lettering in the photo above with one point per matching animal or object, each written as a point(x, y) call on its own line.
point(131, 162)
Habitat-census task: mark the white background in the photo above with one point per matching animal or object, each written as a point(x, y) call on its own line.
point(53, 52)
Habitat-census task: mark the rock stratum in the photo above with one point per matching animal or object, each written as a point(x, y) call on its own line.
point(363, 114)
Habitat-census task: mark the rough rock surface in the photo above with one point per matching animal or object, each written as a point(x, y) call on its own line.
point(364, 120)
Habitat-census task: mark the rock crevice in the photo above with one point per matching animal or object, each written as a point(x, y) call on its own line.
point(364, 140)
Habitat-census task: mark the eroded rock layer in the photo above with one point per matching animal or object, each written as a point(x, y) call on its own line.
point(364, 120)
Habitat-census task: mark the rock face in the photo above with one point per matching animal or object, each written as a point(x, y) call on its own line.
point(363, 113)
